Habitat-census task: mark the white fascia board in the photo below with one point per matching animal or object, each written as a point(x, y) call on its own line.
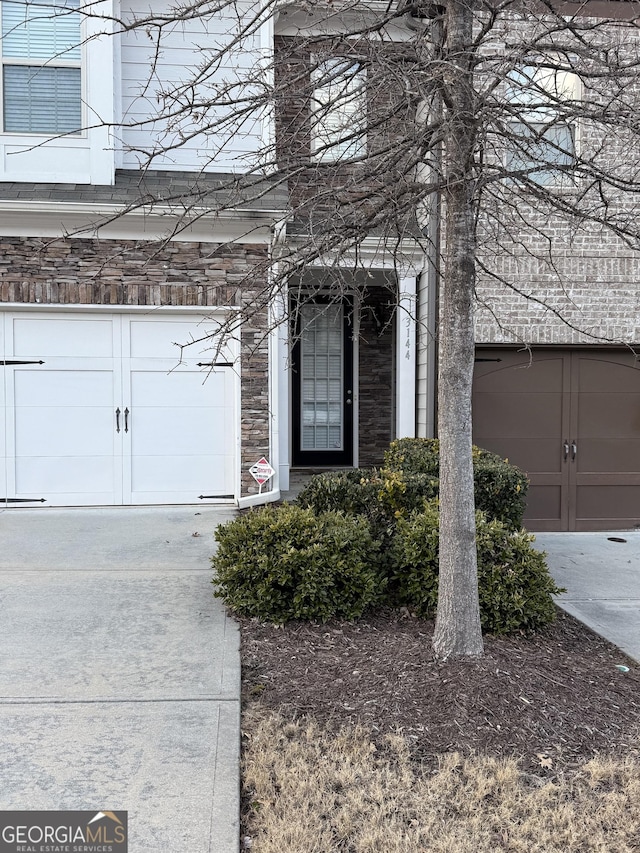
point(405, 256)
point(337, 6)
point(76, 219)
point(296, 19)
point(92, 308)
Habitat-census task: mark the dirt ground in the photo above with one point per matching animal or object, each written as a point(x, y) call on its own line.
point(552, 700)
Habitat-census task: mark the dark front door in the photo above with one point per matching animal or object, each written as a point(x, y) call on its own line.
point(571, 420)
point(323, 385)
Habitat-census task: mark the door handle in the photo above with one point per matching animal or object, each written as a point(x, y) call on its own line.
point(566, 449)
point(574, 450)
point(126, 420)
point(117, 420)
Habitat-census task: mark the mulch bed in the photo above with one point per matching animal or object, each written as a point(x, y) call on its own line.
point(552, 700)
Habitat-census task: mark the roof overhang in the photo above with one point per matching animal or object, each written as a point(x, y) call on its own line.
point(36, 218)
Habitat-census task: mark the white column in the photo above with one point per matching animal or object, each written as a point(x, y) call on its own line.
point(406, 359)
point(280, 366)
point(426, 354)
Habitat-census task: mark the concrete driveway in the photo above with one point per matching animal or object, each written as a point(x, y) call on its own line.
point(601, 572)
point(120, 673)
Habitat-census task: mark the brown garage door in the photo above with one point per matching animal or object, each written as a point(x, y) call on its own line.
point(571, 420)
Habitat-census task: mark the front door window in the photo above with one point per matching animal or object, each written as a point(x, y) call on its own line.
point(322, 351)
point(323, 385)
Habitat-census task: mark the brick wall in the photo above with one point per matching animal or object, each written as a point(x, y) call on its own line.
point(568, 288)
point(107, 272)
point(375, 368)
point(343, 196)
point(559, 278)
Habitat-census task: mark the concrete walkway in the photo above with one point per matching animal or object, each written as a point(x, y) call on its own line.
point(602, 578)
point(120, 673)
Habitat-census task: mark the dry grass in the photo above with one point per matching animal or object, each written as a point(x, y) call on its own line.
point(314, 789)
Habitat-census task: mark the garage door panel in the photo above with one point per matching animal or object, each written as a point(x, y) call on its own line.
point(544, 503)
point(181, 387)
point(601, 415)
point(190, 475)
point(188, 449)
point(44, 388)
point(608, 373)
point(542, 375)
point(158, 338)
point(519, 406)
point(4, 488)
point(609, 502)
point(160, 431)
point(76, 337)
point(66, 431)
point(77, 421)
point(532, 455)
point(513, 413)
point(59, 477)
point(612, 455)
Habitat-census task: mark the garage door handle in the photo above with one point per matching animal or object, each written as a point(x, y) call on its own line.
point(117, 420)
point(566, 449)
point(574, 451)
point(126, 420)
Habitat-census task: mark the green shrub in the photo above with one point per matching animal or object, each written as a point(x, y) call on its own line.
point(351, 491)
point(500, 488)
point(513, 579)
point(369, 492)
point(413, 577)
point(281, 563)
point(514, 584)
point(403, 492)
point(418, 455)
point(381, 497)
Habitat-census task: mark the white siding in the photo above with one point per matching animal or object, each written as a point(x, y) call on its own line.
point(121, 88)
point(183, 47)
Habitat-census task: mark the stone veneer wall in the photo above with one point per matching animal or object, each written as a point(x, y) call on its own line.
point(376, 367)
point(108, 272)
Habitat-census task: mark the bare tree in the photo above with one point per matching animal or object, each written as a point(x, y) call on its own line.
point(464, 131)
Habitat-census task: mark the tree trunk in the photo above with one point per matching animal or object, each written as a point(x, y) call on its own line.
point(457, 632)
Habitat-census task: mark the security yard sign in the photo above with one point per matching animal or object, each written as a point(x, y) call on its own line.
point(261, 471)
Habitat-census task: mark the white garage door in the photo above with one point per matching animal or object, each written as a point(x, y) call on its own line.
point(99, 409)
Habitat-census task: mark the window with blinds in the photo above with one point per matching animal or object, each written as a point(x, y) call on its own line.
point(41, 67)
point(338, 110)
